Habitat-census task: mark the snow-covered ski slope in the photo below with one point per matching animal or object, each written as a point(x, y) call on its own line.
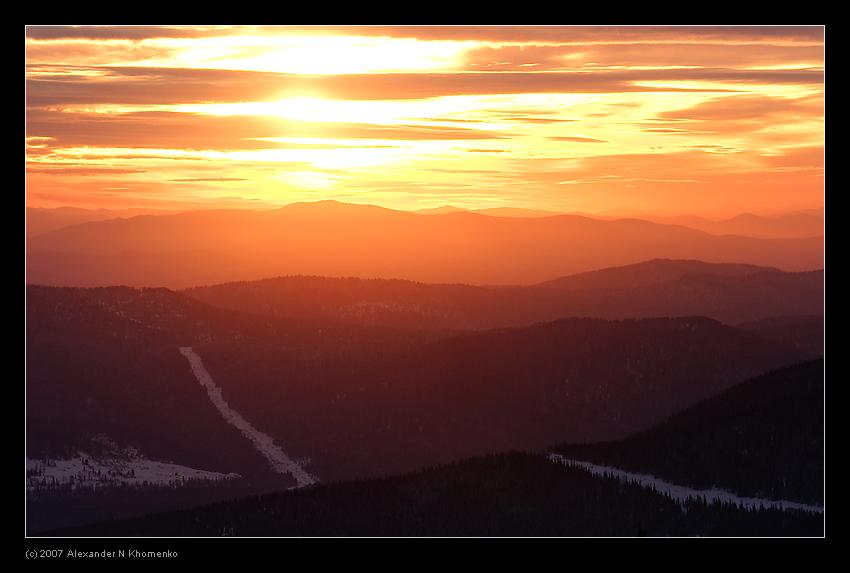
point(263, 443)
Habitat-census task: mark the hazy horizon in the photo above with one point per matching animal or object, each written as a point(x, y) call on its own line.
point(766, 213)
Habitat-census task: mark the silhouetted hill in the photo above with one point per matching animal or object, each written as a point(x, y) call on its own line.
point(649, 273)
point(390, 302)
point(727, 292)
point(335, 239)
point(105, 361)
point(457, 396)
point(498, 495)
point(725, 298)
point(763, 437)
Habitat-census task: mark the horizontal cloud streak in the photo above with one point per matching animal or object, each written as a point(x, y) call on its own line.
point(163, 130)
point(576, 139)
point(519, 34)
point(125, 32)
point(176, 86)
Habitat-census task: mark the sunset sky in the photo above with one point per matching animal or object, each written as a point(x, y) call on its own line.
point(697, 120)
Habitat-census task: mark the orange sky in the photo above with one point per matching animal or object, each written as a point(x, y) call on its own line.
point(697, 120)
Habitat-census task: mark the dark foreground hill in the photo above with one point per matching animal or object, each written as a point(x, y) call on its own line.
point(498, 495)
point(761, 438)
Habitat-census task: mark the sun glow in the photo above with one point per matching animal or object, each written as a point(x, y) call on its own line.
point(556, 119)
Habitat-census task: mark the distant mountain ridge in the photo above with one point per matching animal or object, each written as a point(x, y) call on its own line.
point(652, 272)
point(805, 223)
point(808, 223)
point(732, 293)
point(334, 239)
point(494, 211)
point(42, 220)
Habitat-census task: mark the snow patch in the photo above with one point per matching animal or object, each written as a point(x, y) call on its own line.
point(127, 468)
point(683, 494)
point(263, 443)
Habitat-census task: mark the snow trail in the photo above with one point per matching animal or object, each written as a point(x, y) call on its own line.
point(263, 443)
point(681, 493)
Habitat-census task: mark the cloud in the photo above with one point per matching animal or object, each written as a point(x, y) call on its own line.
point(728, 124)
point(129, 85)
point(62, 170)
point(668, 130)
point(173, 130)
point(586, 34)
point(578, 139)
point(208, 179)
point(803, 157)
point(740, 114)
point(88, 54)
point(160, 130)
point(747, 107)
point(692, 164)
point(685, 181)
point(125, 32)
point(176, 86)
point(599, 56)
point(510, 34)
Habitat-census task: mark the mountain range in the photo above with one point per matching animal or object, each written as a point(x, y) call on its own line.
point(334, 239)
point(731, 293)
point(361, 379)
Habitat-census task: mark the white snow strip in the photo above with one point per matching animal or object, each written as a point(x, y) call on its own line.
point(683, 494)
point(84, 470)
point(277, 458)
